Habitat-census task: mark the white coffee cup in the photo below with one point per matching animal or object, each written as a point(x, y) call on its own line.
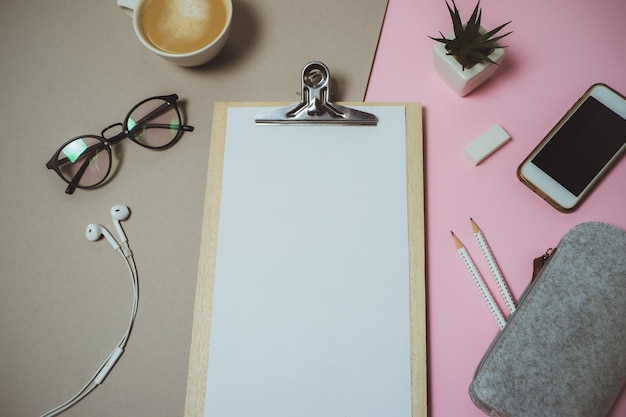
point(187, 15)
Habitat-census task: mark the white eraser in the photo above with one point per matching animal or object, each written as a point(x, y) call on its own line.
point(486, 144)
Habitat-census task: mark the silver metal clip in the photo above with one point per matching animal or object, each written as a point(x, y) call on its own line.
point(315, 106)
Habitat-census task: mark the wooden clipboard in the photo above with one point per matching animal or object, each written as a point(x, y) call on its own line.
point(199, 352)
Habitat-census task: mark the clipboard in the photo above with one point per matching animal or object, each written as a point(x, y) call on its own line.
point(204, 326)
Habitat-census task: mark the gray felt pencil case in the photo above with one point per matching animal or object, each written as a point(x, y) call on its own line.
point(563, 351)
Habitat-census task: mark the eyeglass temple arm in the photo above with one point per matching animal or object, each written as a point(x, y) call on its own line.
point(71, 187)
point(162, 108)
point(185, 128)
point(122, 135)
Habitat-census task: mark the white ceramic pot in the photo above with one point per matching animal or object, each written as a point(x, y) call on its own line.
point(463, 81)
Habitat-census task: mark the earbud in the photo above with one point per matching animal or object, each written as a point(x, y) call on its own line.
point(119, 213)
point(94, 231)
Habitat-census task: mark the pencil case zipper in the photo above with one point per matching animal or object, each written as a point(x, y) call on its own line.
point(539, 263)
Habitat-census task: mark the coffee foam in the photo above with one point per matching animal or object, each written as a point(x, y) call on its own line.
point(185, 20)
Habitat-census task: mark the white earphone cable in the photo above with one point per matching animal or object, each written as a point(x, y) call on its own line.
point(104, 369)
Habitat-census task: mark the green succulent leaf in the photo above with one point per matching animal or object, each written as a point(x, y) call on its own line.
point(456, 20)
point(472, 27)
point(469, 46)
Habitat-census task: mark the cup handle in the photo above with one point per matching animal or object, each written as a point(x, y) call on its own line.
point(128, 6)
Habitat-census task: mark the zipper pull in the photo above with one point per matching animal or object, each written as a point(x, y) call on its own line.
point(539, 262)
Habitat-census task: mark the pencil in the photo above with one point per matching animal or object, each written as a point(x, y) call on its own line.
point(493, 267)
point(478, 280)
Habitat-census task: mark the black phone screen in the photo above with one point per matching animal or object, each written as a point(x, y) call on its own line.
point(583, 146)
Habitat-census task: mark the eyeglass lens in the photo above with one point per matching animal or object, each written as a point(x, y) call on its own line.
point(87, 159)
point(154, 123)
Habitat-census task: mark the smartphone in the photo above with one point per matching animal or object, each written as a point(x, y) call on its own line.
point(570, 161)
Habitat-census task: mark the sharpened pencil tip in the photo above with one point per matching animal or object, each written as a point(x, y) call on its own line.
point(475, 227)
point(457, 242)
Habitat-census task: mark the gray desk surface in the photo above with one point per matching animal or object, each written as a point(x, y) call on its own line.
point(73, 67)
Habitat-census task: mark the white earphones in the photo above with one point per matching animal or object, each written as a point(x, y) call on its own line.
point(95, 231)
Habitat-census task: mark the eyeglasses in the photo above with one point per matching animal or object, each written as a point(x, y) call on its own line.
point(85, 161)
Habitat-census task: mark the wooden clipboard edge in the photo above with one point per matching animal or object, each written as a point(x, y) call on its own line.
point(417, 257)
point(201, 329)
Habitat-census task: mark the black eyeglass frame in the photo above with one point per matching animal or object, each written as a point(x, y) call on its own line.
point(170, 102)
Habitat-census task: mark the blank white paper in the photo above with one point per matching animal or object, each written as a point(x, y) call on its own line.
point(310, 314)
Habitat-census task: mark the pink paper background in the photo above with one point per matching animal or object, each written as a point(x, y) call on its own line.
point(558, 49)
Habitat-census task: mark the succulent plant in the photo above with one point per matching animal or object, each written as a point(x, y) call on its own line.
point(469, 46)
